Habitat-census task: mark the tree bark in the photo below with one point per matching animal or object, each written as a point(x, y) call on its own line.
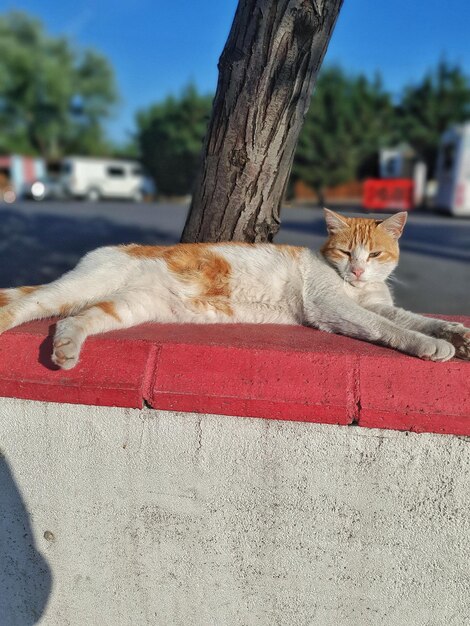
point(266, 76)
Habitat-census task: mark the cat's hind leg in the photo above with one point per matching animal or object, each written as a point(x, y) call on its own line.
point(121, 311)
point(23, 304)
point(97, 276)
point(7, 296)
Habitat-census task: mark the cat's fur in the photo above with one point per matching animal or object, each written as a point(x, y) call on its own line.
point(342, 290)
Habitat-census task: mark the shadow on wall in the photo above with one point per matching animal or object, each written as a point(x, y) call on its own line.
point(25, 577)
point(36, 249)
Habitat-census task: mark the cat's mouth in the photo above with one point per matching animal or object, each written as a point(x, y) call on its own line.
point(353, 280)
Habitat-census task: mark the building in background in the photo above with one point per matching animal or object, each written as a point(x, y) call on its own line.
point(18, 173)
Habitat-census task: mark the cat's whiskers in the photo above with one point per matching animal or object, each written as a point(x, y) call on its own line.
point(392, 278)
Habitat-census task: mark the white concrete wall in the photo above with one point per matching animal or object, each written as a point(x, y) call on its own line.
point(124, 517)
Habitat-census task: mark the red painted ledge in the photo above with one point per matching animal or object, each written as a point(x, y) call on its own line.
point(274, 372)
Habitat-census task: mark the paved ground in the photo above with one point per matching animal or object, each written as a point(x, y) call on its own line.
point(39, 241)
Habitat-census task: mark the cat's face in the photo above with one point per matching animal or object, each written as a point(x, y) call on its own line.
point(361, 249)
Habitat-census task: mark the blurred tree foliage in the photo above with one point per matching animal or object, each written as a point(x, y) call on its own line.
point(348, 120)
point(428, 108)
point(53, 98)
point(169, 137)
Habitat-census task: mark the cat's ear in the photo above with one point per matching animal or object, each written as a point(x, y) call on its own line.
point(394, 225)
point(334, 222)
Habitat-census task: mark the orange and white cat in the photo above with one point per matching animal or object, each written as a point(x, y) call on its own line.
point(342, 290)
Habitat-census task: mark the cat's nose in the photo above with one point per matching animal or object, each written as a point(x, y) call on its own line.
point(358, 272)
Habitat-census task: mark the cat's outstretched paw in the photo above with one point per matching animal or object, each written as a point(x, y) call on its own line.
point(65, 353)
point(435, 350)
point(459, 337)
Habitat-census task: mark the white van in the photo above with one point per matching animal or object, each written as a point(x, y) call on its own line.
point(453, 171)
point(94, 178)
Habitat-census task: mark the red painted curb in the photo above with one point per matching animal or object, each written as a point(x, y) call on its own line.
point(274, 372)
point(111, 372)
point(399, 393)
point(255, 382)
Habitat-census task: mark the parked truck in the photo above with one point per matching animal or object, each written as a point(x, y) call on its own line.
point(97, 178)
point(453, 171)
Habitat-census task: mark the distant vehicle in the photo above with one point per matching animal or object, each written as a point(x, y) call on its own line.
point(45, 188)
point(96, 178)
point(453, 171)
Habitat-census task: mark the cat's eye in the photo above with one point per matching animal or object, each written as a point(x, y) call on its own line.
point(373, 255)
point(346, 252)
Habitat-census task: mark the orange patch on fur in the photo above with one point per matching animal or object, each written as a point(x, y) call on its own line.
point(216, 304)
point(292, 251)
point(27, 290)
point(6, 320)
point(109, 309)
point(65, 309)
point(4, 298)
point(144, 252)
point(200, 265)
point(195, 263)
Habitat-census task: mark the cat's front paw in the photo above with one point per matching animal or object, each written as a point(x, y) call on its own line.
point(431, 349)
point(459, 337)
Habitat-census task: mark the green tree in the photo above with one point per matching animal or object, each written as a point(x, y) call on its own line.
point(169, 136)
point(428, 108)
point(53, 98)
point(372, 123)
point(348, 120)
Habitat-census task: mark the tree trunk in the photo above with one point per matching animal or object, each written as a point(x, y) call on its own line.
point(266, 75)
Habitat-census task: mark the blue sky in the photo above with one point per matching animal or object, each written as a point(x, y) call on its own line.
point(158, 46)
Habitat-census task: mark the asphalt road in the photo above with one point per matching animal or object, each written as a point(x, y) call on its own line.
point(39, 241)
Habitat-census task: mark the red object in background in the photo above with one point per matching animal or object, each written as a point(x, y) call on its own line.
point(393, 193)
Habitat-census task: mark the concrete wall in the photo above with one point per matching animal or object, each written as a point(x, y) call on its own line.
point(127, 517)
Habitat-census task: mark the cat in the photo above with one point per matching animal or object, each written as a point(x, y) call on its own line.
point(341, 290)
